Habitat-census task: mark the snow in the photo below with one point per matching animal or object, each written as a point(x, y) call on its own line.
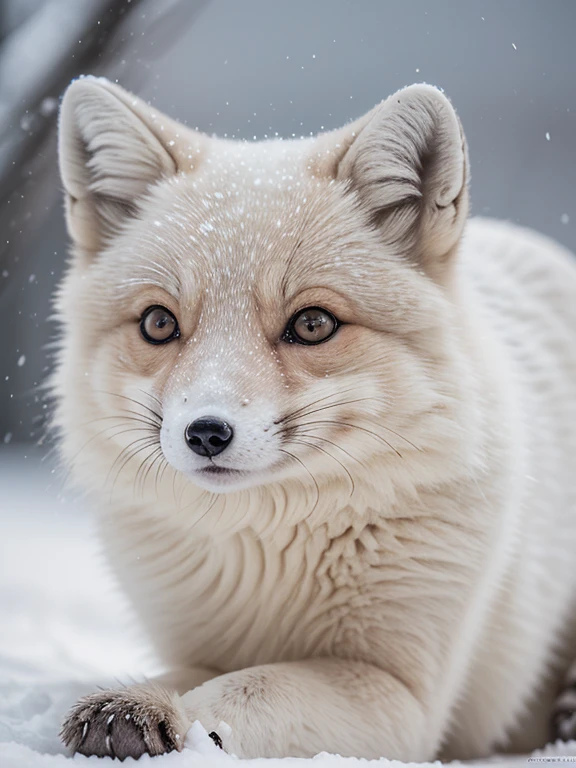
point(66, 629)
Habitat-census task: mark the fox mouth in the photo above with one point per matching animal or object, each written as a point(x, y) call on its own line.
point(214, 469)
point(220, 479)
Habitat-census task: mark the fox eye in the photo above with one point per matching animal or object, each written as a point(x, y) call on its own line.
point(312, 325)
point(158, 325)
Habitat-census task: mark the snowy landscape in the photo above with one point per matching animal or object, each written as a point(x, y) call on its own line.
point(65, 628)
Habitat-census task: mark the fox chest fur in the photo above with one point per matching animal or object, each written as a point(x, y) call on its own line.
point(338, 589)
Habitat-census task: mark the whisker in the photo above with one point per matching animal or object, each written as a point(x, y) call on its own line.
point(196, 501)
point(121, 432)
point(149, 394)
point(125, 431)
point(74, 463)
point(224, 497)
point(319, 448)
point(127, 460)
point(182, 492)
point(174, 478)
point(152, 458)
point(210, 506)
point(325, 440)
point(282, 450)
point(132, 400)
point(159, 472)
point(326, 407)
point(355, 426)
point(142, 418)
point(388, 429)
point(163, 472)
point(125, 451)
point(142, 464)
point(309, 405)
point(302, 413)
point(156, 459)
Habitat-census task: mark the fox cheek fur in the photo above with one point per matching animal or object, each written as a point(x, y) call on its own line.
point(333, 545)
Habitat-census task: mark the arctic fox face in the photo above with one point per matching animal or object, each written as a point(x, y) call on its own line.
point(238, 315)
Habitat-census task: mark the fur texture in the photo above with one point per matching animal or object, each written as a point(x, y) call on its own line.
point(386, 568)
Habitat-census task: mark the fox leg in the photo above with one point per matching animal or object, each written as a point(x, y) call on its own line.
point(275, 710)
point(301, 708)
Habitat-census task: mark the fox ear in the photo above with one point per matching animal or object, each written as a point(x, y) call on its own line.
point(407, 161)
point(110, 153)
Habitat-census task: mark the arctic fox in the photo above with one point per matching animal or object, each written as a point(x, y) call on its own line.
point(332, 424)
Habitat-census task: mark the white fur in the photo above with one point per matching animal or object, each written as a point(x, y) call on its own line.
point(416, 604)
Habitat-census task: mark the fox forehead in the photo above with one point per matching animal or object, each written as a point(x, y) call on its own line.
point(201, 235)
point(252, 245)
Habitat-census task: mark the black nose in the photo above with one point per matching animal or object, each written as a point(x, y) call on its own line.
point(208, 436)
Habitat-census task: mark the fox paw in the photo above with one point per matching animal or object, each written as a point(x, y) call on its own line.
point(126, 723)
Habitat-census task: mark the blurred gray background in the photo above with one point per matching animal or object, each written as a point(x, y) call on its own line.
point(264, 67)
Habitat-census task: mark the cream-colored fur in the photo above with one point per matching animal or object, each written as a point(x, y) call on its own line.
point(391, 573)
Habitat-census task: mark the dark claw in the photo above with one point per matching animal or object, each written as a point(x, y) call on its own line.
point(216, 739)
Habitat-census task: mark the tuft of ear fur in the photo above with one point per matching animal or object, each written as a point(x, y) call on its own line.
point(112, 148)
point(407, 161)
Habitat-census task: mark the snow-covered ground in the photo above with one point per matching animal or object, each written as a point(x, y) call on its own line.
point(64, 628)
